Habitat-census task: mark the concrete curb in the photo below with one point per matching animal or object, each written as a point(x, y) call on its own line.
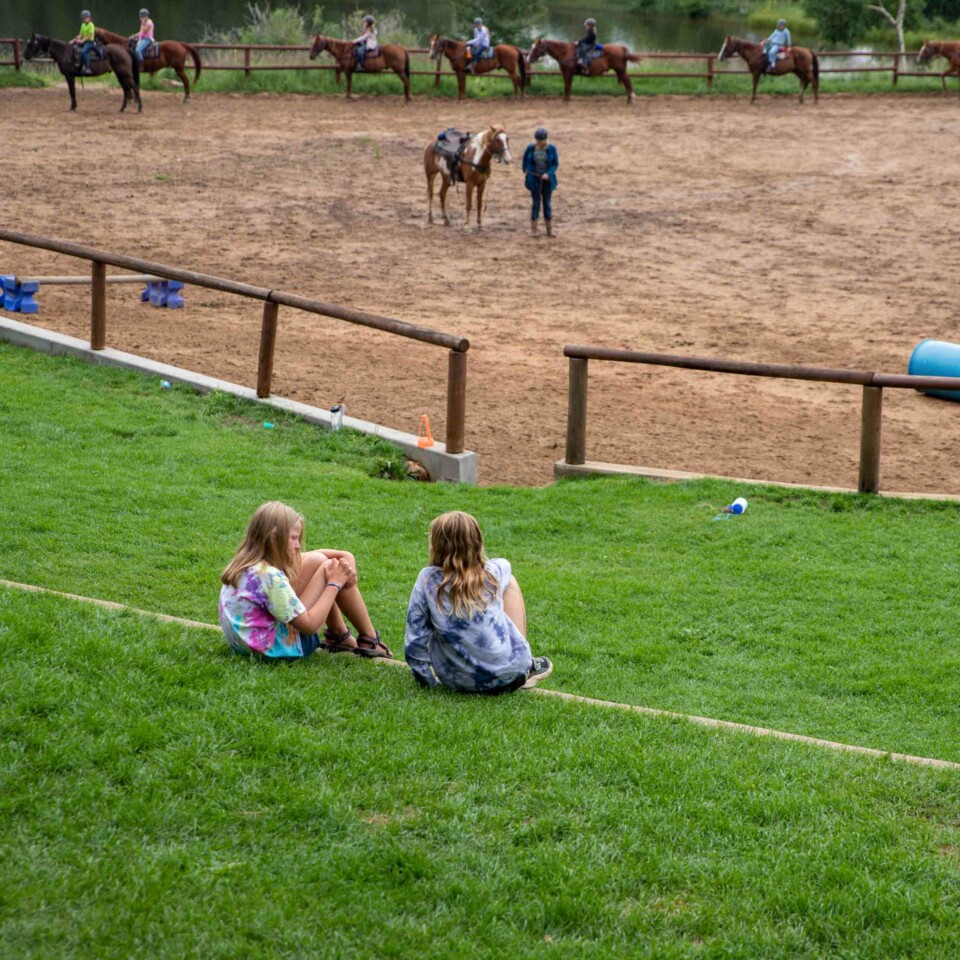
point(454, 467)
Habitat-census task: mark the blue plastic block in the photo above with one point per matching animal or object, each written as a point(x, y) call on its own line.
point(11, 294)
point(28, 296)
point(174, 298)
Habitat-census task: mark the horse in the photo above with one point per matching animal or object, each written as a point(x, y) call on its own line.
point(950, 51)
point(505, 57)
point(391, 57)
point(800, 60)
point(473, 163)
point(117, 59)
point(615, 57)
point(173, 54)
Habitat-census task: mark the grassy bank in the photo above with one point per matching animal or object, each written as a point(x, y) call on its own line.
point(820, 614)
point(161, 797)
point(21, 78)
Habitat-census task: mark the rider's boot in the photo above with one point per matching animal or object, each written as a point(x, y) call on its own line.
point(549, 224)
point(533, 227)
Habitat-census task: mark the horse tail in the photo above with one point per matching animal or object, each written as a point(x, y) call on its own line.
point(816, 68)
point(197, 62)
point(135, 69)
point(406, 64)
point(634, 57)
point(523, 67)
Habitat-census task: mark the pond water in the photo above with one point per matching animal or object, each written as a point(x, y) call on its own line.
point(189, 20)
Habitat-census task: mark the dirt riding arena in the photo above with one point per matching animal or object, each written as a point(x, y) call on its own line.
point(822, 235)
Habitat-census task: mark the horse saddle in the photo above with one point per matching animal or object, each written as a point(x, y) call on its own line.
point(488, 54)
point(150, 52)
point(449, 145)
point(96, 53)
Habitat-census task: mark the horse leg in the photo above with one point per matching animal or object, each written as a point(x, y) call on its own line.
point(431, 176)
point(182, 74)
point(444, 187)
point(406, 83)
point(461, 83)
point(480, 188)
point(627, 82)
point(567, 83)
point(756, 80)
point(349, 94)
point(466, 222)
point(72, 87)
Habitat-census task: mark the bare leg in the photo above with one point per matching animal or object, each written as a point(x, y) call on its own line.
point(312, 582)
point(514, 606)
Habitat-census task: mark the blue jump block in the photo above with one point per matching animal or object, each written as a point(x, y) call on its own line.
point(163, 293)
point(19, 296)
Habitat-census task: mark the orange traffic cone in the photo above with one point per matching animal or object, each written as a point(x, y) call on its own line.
point(424, 437)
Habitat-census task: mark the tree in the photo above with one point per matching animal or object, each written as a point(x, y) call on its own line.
point(896, 21)
point(509, 20)
point(839, 21)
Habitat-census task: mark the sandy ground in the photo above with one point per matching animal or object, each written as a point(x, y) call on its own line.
point(821, 235)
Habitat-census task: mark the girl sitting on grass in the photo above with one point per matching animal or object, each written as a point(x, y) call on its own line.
point(466, 624)
point(274, 598)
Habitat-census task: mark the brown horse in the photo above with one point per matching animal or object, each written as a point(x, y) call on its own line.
point(950, 51)
point(472, 163)
point(173, 54)
point(505, 57)
point(800, 60)
point(615, 57)
point(391, 57)
point(116, 58)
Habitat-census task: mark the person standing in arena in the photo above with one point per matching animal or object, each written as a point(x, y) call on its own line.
point(540, 162)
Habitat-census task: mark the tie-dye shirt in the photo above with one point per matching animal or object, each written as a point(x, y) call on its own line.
point(482, 653)
point(255, 615)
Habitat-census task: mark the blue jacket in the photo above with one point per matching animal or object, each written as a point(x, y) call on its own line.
point(532, 181)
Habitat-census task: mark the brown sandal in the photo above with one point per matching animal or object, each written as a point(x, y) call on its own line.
point(337, 642)
point(368, 646)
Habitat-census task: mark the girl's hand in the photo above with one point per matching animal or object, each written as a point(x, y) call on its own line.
point(338, 571)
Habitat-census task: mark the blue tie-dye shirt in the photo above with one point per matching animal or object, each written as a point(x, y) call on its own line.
point(255, 614)
point(482, 653)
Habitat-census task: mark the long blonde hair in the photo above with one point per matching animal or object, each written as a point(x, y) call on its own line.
point(456, 547)
point(267, 539)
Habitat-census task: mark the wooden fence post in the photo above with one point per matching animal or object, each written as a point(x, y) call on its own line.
point(577, 412)
point(870, 414)
point(98, 305)
point(16, 53)
point(268, 339)
point(246, 61)
point(710, 59)
point(456, 400)
point(896, 68)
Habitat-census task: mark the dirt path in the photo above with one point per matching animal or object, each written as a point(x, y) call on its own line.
point(820, 235)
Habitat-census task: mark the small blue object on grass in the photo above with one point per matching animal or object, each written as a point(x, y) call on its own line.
point(163, 293)
point(732, 509)
point(19, 296)
point(164, 384)
point(267, 425)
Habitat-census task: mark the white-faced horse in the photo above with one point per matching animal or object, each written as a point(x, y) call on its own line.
point(470, 163)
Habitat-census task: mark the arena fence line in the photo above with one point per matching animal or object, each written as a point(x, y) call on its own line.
point(17, 60)
point(249, 51)
point(870, 418)
point(272, 300)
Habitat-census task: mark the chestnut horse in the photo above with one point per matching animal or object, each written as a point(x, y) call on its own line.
point(473, 162)
point(615, 57)
point(391, 57)
point(950, 51)
point(173, 54)
point(117, 59)
point(800, 60)
point(505, 57)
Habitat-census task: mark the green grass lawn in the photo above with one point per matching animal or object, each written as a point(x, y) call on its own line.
point(162, 797)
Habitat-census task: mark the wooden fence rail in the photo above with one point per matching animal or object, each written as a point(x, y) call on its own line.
point(872, 383)
point(272, 300)
point(709, 60)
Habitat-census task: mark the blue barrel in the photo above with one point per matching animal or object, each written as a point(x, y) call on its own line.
point(936, 358)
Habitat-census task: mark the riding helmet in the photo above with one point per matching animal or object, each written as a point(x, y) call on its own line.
point(781, 22)
point(589, 22)
point(477, 21)
point(368, 19)
point(541, 133)
point(85, 13)
point(144, 12)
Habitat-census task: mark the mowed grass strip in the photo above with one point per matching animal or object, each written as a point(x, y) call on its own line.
point(827, 615)
point(161, 797)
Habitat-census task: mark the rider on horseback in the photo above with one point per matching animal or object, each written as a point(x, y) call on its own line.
point(479, 44)
point(145, 36)
point(777, 41)
point(588, 45)
point(366, 42)
point(87, 40)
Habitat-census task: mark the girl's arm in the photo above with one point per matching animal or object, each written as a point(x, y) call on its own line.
point(416, 644)
point(334, 574)
point(351, 562)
